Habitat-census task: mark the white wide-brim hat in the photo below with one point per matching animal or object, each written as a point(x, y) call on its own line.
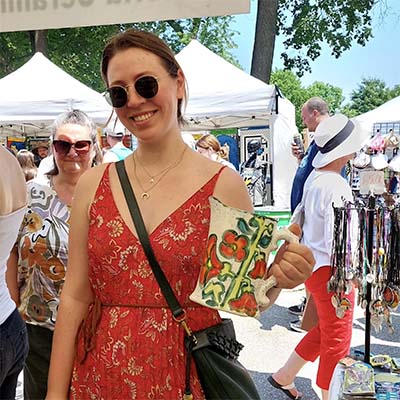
point(337, 136)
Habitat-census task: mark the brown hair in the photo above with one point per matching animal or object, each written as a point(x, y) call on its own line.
point(26, 160)
point(146, 41)
point(211, 142)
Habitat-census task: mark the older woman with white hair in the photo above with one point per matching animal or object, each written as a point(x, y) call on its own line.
point(41, 252)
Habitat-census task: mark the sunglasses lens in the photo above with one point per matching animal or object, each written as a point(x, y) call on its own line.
point(116, 96)
point(61, 146)
point(82, 146)
point(147, 87)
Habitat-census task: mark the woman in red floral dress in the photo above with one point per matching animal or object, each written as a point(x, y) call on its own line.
point(129, 346)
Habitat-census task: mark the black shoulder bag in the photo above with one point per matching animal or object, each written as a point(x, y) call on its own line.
point(215, 349)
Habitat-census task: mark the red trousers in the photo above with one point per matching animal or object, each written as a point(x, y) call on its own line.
point(330, 338)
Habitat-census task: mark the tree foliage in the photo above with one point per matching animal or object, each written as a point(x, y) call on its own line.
point(333, 95)
point(305, 26)
point(290, 85)
point(395, 91)
point(370, 94)
point(78, 50)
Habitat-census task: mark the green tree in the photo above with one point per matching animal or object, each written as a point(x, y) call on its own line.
point(290, 85)
point(395, 91)
point(370, 94)
point(333, 95)
point(349, 112)
point(305, 26)
point(78, 50)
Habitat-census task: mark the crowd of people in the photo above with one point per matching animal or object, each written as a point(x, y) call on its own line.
point(92, 312)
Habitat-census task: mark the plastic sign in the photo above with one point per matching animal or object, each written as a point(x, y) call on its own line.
point(22, 15)
point(372, 182)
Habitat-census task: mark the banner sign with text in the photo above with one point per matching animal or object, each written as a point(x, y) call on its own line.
point(22, 15)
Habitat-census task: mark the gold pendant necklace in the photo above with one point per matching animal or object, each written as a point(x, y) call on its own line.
point(152, 177)
point(145, 192)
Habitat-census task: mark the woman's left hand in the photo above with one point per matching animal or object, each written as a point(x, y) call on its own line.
point(293, 264)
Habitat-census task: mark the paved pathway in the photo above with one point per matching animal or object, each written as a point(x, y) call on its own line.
point(268, 342)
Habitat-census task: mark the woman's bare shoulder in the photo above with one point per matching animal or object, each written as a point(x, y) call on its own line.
point(230, 187)
point(89, 182)
point(232, 191)
point(12, 183)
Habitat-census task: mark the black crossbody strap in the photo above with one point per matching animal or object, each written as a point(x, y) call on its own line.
point(134, 210)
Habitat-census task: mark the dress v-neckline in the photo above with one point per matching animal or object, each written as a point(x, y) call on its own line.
point(170, 215)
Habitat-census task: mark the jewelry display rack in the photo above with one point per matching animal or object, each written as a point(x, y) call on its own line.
point(370, 239)
point(375, 268)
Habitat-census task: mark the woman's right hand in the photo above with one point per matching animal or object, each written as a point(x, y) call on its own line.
point(293, 264)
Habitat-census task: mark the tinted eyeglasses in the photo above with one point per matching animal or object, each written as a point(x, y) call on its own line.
point(146, 87)
point(63, 148)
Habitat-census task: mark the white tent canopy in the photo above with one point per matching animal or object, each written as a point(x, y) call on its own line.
point(38, 91)
point(223, 96)
point(388, 112)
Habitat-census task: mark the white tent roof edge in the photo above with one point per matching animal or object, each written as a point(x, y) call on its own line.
point(388, 112)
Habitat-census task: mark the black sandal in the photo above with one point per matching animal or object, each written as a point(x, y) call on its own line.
point(285, 389)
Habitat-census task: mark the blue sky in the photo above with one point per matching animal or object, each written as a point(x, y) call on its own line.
point(380, 58)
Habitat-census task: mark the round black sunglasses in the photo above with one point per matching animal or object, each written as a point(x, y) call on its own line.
point(146, 87)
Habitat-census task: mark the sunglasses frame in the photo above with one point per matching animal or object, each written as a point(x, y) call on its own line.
point(125, 88)
point(77, 150)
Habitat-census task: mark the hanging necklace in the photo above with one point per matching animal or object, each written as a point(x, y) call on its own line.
point(152, 177)
point(145, 195)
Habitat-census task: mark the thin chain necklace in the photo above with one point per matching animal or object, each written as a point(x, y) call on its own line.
point(145, 195)
point(152, 177)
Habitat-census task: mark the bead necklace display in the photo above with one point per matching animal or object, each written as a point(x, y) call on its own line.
point(372, 262)
point(342, 273)
point(350, 261)
point(146, 192)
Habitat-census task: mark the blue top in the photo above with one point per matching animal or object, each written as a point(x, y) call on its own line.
point(303, 171)
point(121, 152)
point(233, 149)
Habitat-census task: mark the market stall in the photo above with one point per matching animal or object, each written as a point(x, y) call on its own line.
point(223, 96)
point(372, 261)
point(33, 95)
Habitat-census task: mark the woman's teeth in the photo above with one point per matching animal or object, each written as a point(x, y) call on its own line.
point(143, 117)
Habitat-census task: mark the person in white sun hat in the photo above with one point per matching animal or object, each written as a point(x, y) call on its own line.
point(337, 138)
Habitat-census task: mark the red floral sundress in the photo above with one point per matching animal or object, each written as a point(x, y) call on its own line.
point(138, 348)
